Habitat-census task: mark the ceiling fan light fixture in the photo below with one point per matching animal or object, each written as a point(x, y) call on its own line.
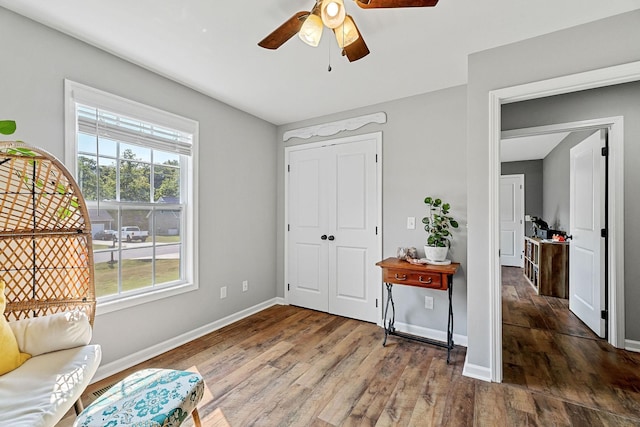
point(347, 33)
point(311, 30)
point(333, 13)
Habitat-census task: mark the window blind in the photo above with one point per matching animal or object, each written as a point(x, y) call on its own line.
point(110, 125)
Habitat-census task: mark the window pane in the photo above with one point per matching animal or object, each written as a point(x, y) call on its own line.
point(108, 147)
point(135, 181)
point(86, 143)
point(135, 152)
point(107, 179)
point(168, 240)
point(166, 184)
point(106, 257)
point(164, 158)
point(87, 176)
point(137, 249)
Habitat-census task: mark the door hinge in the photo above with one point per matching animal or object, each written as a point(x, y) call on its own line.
point(376, 302)
point(376, 231)
point(288, 287)
point(288, 227)
point(604, 151)
point(603, 232)
point(604, 314)
point(288, 168)
point(376, 158)
point(521, 186)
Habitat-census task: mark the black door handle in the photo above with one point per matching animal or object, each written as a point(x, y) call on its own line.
point(323, 237)
point(331, 238)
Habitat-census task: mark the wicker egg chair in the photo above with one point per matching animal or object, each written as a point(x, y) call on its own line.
point(46, 255)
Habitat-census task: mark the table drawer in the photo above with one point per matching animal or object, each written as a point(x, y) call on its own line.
point(414, 278)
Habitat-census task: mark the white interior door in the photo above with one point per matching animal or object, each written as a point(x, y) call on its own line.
point(511, 220)
point(332, 242)
point(586, 260)
point(307, 251)
point(353, 254)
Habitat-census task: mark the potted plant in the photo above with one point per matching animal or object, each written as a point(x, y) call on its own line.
point(438, 226)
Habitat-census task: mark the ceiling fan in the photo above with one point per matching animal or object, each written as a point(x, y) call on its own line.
point(332, 14)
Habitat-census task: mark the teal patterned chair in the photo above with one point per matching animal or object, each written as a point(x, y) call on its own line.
point(148, 398)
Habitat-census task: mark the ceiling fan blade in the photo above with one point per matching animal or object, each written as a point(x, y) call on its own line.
point(284, 32)
point(374, 4)
point(356, 50)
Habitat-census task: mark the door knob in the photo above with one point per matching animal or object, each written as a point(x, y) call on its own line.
point(323, 237)
point(331, 238)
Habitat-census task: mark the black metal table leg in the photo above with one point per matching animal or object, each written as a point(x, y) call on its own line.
point(388, 329)
point(450, 321)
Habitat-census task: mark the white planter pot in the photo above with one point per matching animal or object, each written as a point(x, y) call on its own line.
point(435, 253)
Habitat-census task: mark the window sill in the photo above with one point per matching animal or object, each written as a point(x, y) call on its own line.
point(135, 300)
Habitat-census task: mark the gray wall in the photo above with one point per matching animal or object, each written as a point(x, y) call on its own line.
point(532, 170)
point(423, 154)
point(237, 176)
point(556, 182)
point(591, 46)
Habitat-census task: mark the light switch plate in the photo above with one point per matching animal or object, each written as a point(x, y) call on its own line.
point(411, 223)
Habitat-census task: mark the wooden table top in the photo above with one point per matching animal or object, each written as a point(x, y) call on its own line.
point(395, 263)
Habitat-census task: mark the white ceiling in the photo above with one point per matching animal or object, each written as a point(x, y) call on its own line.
point(211, 45)
point(533, 147)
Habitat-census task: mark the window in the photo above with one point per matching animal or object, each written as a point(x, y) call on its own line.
point(134, 165)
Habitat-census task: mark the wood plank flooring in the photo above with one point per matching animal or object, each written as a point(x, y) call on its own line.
point(288, 366)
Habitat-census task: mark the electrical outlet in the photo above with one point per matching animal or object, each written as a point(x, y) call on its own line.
point(411, 223)
point(428, 302)
point(245, 285)
point(223, 292)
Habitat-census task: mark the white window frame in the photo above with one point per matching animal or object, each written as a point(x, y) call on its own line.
point(76, 93)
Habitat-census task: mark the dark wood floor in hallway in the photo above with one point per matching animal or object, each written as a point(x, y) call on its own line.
point(548, 350)
point(288, 366)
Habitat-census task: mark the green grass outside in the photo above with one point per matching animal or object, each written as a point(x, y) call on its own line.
point(136, 274)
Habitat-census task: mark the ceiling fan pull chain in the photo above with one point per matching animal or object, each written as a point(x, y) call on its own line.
point(329, 67)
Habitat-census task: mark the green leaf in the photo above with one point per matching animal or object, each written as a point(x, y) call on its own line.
point(454, 223)
point(428, 200)
point(7, 127)
point(446, 207)
point(437, 202)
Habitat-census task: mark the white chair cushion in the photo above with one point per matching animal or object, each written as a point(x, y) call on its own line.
point(41, 391)
point(38, 335)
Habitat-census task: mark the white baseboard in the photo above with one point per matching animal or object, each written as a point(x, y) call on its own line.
point(432, 334)
point(116, 366)
point(475, 371)
point(632, 345)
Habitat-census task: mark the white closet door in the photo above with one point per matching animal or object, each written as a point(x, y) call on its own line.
point(332, 245)
point(353, 275)
point(308, 253)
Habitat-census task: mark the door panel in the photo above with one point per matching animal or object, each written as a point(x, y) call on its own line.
point(307, 257)
point(511, 220)
point(586, 211)
point(353, 275)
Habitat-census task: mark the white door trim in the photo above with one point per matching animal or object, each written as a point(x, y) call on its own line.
point(566, 84)
point(346, 140)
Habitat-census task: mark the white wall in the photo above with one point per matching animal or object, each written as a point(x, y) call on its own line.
point(423, 145)
point(237, 176)
point(591, 46)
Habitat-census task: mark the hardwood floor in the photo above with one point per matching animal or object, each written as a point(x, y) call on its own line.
point(288, 366)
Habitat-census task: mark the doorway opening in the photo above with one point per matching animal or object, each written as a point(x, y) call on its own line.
point(557, 86)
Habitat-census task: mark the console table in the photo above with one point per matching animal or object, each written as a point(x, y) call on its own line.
point(440, 277)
